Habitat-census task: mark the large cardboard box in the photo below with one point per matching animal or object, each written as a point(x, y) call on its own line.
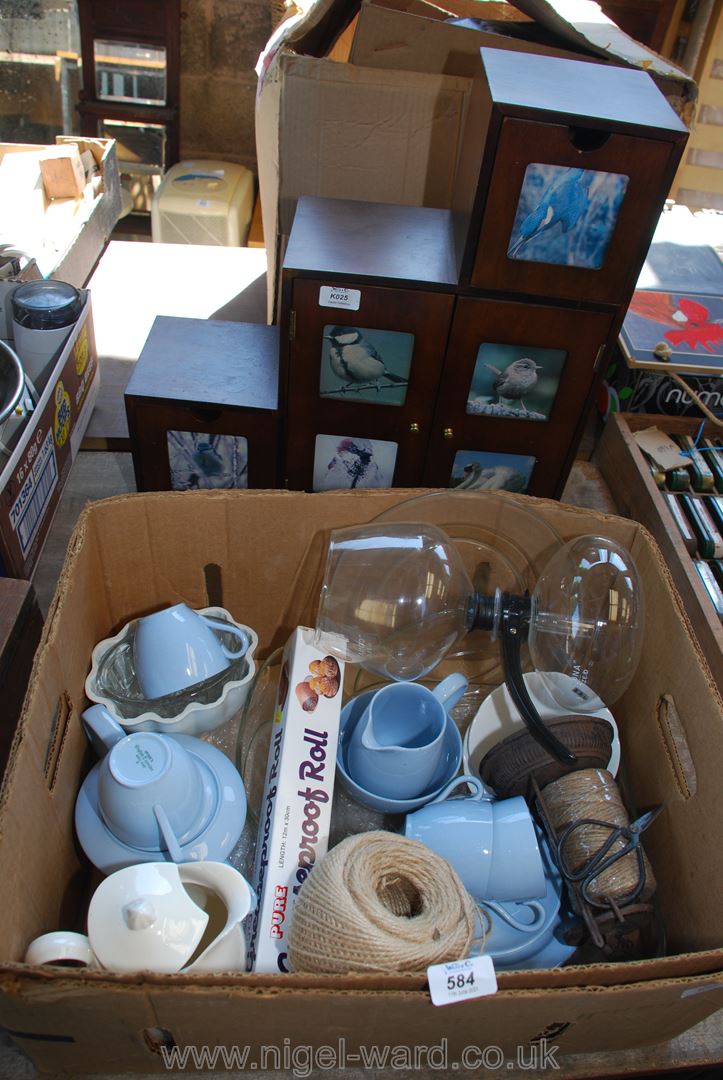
point(65, 236)
point(35, 474)
point(421, 38)
point(261, 554)
point(386, 127)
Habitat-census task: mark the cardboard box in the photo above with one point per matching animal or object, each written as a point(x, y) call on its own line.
point(35, 474)
point(385, 134)
point(296, 806)
point(632, 390)
point(65, 236)
point(62, 172)
point(261, 555)
point(425, 41)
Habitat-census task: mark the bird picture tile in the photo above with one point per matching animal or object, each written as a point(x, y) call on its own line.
point(566, 216)
point(674, 329)
point(343, 461)
point(362, 364)
point(480, 469)
point(200, 460)
point(518, 382)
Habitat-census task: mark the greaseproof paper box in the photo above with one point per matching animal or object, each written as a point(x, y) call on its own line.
point(34, 476)
point(296, 808)
point(261, 556)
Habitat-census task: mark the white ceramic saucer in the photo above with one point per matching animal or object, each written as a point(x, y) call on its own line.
point(447, 770)
point(497, 717)
point(214, 842)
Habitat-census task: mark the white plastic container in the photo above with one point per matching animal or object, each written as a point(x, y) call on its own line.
point(203, 202)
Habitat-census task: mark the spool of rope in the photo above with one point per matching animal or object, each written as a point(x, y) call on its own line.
point(594, 794)
point(383, 903)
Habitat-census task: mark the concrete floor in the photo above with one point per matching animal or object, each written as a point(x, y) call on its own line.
point(97, 475)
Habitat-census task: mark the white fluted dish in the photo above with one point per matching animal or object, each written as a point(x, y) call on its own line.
point(194, 711)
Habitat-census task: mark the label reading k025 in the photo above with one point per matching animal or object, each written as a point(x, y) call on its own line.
point(333, 296)
point(461, 980)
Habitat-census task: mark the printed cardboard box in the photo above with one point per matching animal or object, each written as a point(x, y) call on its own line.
point(66, 236)
point(261, 555)
point(34, 476)
point(632, 390)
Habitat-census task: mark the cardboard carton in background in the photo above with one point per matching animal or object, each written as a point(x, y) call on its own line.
point(65, 236)
point(627, 389)
point(34, 476)
point(320, 129)
point(261, 555)
point(422, 39)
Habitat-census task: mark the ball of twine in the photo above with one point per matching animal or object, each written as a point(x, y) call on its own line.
point(380, 902)
point(594, 793)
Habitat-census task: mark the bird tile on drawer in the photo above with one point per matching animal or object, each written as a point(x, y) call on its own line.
point(565, 168)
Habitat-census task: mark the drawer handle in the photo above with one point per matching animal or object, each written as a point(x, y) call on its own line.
point(206, 416)
point(587, 139)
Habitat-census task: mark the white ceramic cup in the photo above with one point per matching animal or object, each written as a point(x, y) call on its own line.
point(61, 947)
point(175, 648)
point(491, 843)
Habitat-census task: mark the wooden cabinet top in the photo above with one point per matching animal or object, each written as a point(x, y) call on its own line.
point(208, 361)
point(343, 237)
point(578, 90)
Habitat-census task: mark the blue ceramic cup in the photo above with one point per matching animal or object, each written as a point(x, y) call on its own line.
point(150, 792)
point(491, 843)
point(176, 648)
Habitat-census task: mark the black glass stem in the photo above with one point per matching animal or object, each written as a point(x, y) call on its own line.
point(510, 617)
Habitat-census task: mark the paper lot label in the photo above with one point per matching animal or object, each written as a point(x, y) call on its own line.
point(27, 512)
point(331, 296)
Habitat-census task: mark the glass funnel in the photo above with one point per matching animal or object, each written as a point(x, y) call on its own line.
point(586, 628)
point(396, 598)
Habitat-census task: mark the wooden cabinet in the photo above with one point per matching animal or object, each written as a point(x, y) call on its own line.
point(131, 78)
point(202, 406)
point(391, 382)
point(21, 624)
point(544, 360)
point(463, 348)
point(564, 171)
point(363, 382)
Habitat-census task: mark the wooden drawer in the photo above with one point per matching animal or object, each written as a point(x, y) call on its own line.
point(624, 468)
point(563, 172)
point(202, 406)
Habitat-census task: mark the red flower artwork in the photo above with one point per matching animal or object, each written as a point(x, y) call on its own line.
point(698, 330)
